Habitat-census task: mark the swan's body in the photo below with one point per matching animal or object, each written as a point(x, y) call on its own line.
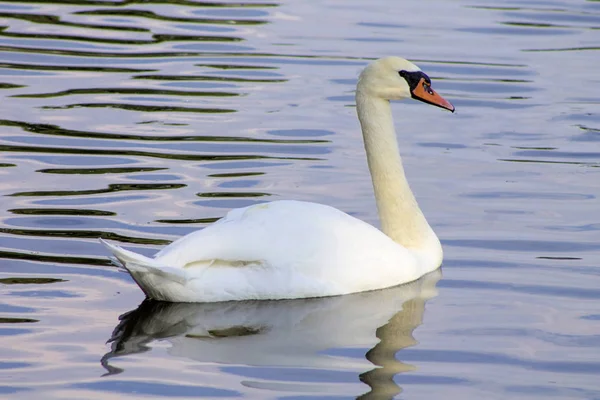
point(278, 250)
point(292, 249)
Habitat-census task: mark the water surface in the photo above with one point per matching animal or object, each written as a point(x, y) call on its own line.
point(140, 121)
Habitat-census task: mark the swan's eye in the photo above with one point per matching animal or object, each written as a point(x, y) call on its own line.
point(427, 88)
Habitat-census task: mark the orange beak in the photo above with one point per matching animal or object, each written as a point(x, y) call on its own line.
point(425, 93)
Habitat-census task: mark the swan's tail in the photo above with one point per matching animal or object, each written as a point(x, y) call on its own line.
point(157, 281)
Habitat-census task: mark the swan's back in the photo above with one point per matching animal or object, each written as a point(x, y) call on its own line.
point(283, 232)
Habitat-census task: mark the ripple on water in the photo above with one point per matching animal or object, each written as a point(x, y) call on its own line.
point(141, 121)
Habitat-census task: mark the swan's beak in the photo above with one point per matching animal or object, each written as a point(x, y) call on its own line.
point(425, 93)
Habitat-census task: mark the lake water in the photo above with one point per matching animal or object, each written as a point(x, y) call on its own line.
point(141, 120)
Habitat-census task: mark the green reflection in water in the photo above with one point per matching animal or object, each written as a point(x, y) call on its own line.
point(14, 255)
point(30, 281)
point(235, 174)
point(563, 49)
point(206, 78)
point(188, 157)
point(234, 67)
point(82, 234)
point(188, 221)
point(174, 54)
point(159, 38)
point(232, 194)
point(533, 148)
point(35, 67)
point(112, 188)
point(157, 92)
point(60, 211)
point(533, 25)
point(189, 3)
point(47, 129)
point(55, 20)
point(88, 171)
point(587, 128)
point(142, 108)
point(152, 15)
point(4, 85)
point(155, 38)
point(161, 122)
point(6, 320)
point(96, 54)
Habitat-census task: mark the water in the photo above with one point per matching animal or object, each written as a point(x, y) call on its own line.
point(140, 121)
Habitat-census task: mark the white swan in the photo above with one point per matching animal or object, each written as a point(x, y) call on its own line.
point(292, 249)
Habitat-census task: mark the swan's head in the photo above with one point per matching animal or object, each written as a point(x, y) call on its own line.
point(394, 78)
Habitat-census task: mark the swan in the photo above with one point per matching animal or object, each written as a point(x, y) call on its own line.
point(293, 249)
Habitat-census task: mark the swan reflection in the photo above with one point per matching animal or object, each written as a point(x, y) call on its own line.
point(304, 333)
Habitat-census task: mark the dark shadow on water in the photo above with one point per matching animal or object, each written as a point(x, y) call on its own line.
point(269, 340)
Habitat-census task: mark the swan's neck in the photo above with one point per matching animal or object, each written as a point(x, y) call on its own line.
point(400, 215)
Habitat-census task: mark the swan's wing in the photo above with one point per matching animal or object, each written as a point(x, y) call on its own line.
point(281, 233)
